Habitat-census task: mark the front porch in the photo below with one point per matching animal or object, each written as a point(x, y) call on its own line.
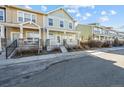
point(27, 34)
point(58, 37)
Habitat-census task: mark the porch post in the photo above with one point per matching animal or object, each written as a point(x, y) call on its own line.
point(47, 33)
point(40, 40)
point(2, 37)
point(21, 35)
point(47, 41)
point(64, 40)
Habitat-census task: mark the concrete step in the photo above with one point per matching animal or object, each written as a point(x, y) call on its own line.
point(63, 49)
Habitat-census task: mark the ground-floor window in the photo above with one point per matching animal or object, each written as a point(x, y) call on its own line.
point(32, 36)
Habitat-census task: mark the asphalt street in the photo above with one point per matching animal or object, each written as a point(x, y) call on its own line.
point(88, 71)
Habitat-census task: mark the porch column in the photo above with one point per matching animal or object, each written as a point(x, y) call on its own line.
point(2, 37)
point(47, 41)
point(21, 36)
point(40, 39)
point(47, 33)
point(64, 40)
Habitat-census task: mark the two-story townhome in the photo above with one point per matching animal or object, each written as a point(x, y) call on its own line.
point(21, 24)
point(95, 31)
point(60, 27)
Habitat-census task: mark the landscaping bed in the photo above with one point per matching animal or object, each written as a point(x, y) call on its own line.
point(33, 52)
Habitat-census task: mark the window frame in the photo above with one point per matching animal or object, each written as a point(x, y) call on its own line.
point(3, 15)
point(23, 13)
point(61, 25)
point(49, 21)
point(71, 26)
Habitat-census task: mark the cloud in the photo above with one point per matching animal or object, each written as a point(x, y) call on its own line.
point(71, 11)
point(103, 12)
point(103, 19)
point(84, 18)
point(88, 14)
point(27, 6)
point(89, 6)
point(113, 12)
point(43, 7)
point(78, 15)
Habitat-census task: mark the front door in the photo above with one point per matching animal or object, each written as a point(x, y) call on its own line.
point(58, 40)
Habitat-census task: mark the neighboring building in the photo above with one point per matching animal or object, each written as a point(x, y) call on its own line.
point(120, 36)
point(61, 26)
point(36, 29)
point(96, 32)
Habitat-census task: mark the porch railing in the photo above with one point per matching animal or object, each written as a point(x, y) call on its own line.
point(11, 48)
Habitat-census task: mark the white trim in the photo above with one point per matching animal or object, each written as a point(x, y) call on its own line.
point(23, 12)
point(12, 35)
point(3, 15)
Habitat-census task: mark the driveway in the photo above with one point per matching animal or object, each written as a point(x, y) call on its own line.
point(96, 69)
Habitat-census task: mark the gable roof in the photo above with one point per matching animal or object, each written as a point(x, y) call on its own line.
point(63, 10)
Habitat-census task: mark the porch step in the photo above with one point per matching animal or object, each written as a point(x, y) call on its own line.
point(63, 49)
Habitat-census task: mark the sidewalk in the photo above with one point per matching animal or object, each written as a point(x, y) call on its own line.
point(51, 56)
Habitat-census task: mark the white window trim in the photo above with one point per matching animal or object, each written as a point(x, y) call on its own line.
point(24, 16)
point(3, 14)
point(48, 22)
point(60, 23)
point(69, 25)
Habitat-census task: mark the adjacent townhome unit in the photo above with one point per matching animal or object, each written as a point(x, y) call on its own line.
point(60, 29)
point(95, 31)
point(22, 25)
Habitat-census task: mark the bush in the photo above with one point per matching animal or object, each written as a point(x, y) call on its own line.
point(84, 45)
point(94, 44)
point(25, 52)
point(56, 50)
point(107, 44)
point(116, 42)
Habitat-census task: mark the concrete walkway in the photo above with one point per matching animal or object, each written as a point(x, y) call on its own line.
point(43, 58)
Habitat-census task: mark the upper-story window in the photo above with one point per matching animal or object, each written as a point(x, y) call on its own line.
point(33, 18)
point(50, 22)
point(61, 24)
point(70, 25)
point(27, 17)
point(1, 15)
point(24, 17)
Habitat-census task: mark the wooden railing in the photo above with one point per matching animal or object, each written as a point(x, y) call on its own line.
point(11, 48)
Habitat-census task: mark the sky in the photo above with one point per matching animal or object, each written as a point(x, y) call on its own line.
point(106, 15)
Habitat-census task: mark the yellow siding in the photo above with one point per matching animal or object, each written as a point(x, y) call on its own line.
point(11, 16)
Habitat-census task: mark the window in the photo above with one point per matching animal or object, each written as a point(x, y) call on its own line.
point(27, 17)
point(70, 25)
point(20, 17)
point(61, 24)
point(33, 18)
point(24, 17)
point(1, 15)
point(50, 22)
